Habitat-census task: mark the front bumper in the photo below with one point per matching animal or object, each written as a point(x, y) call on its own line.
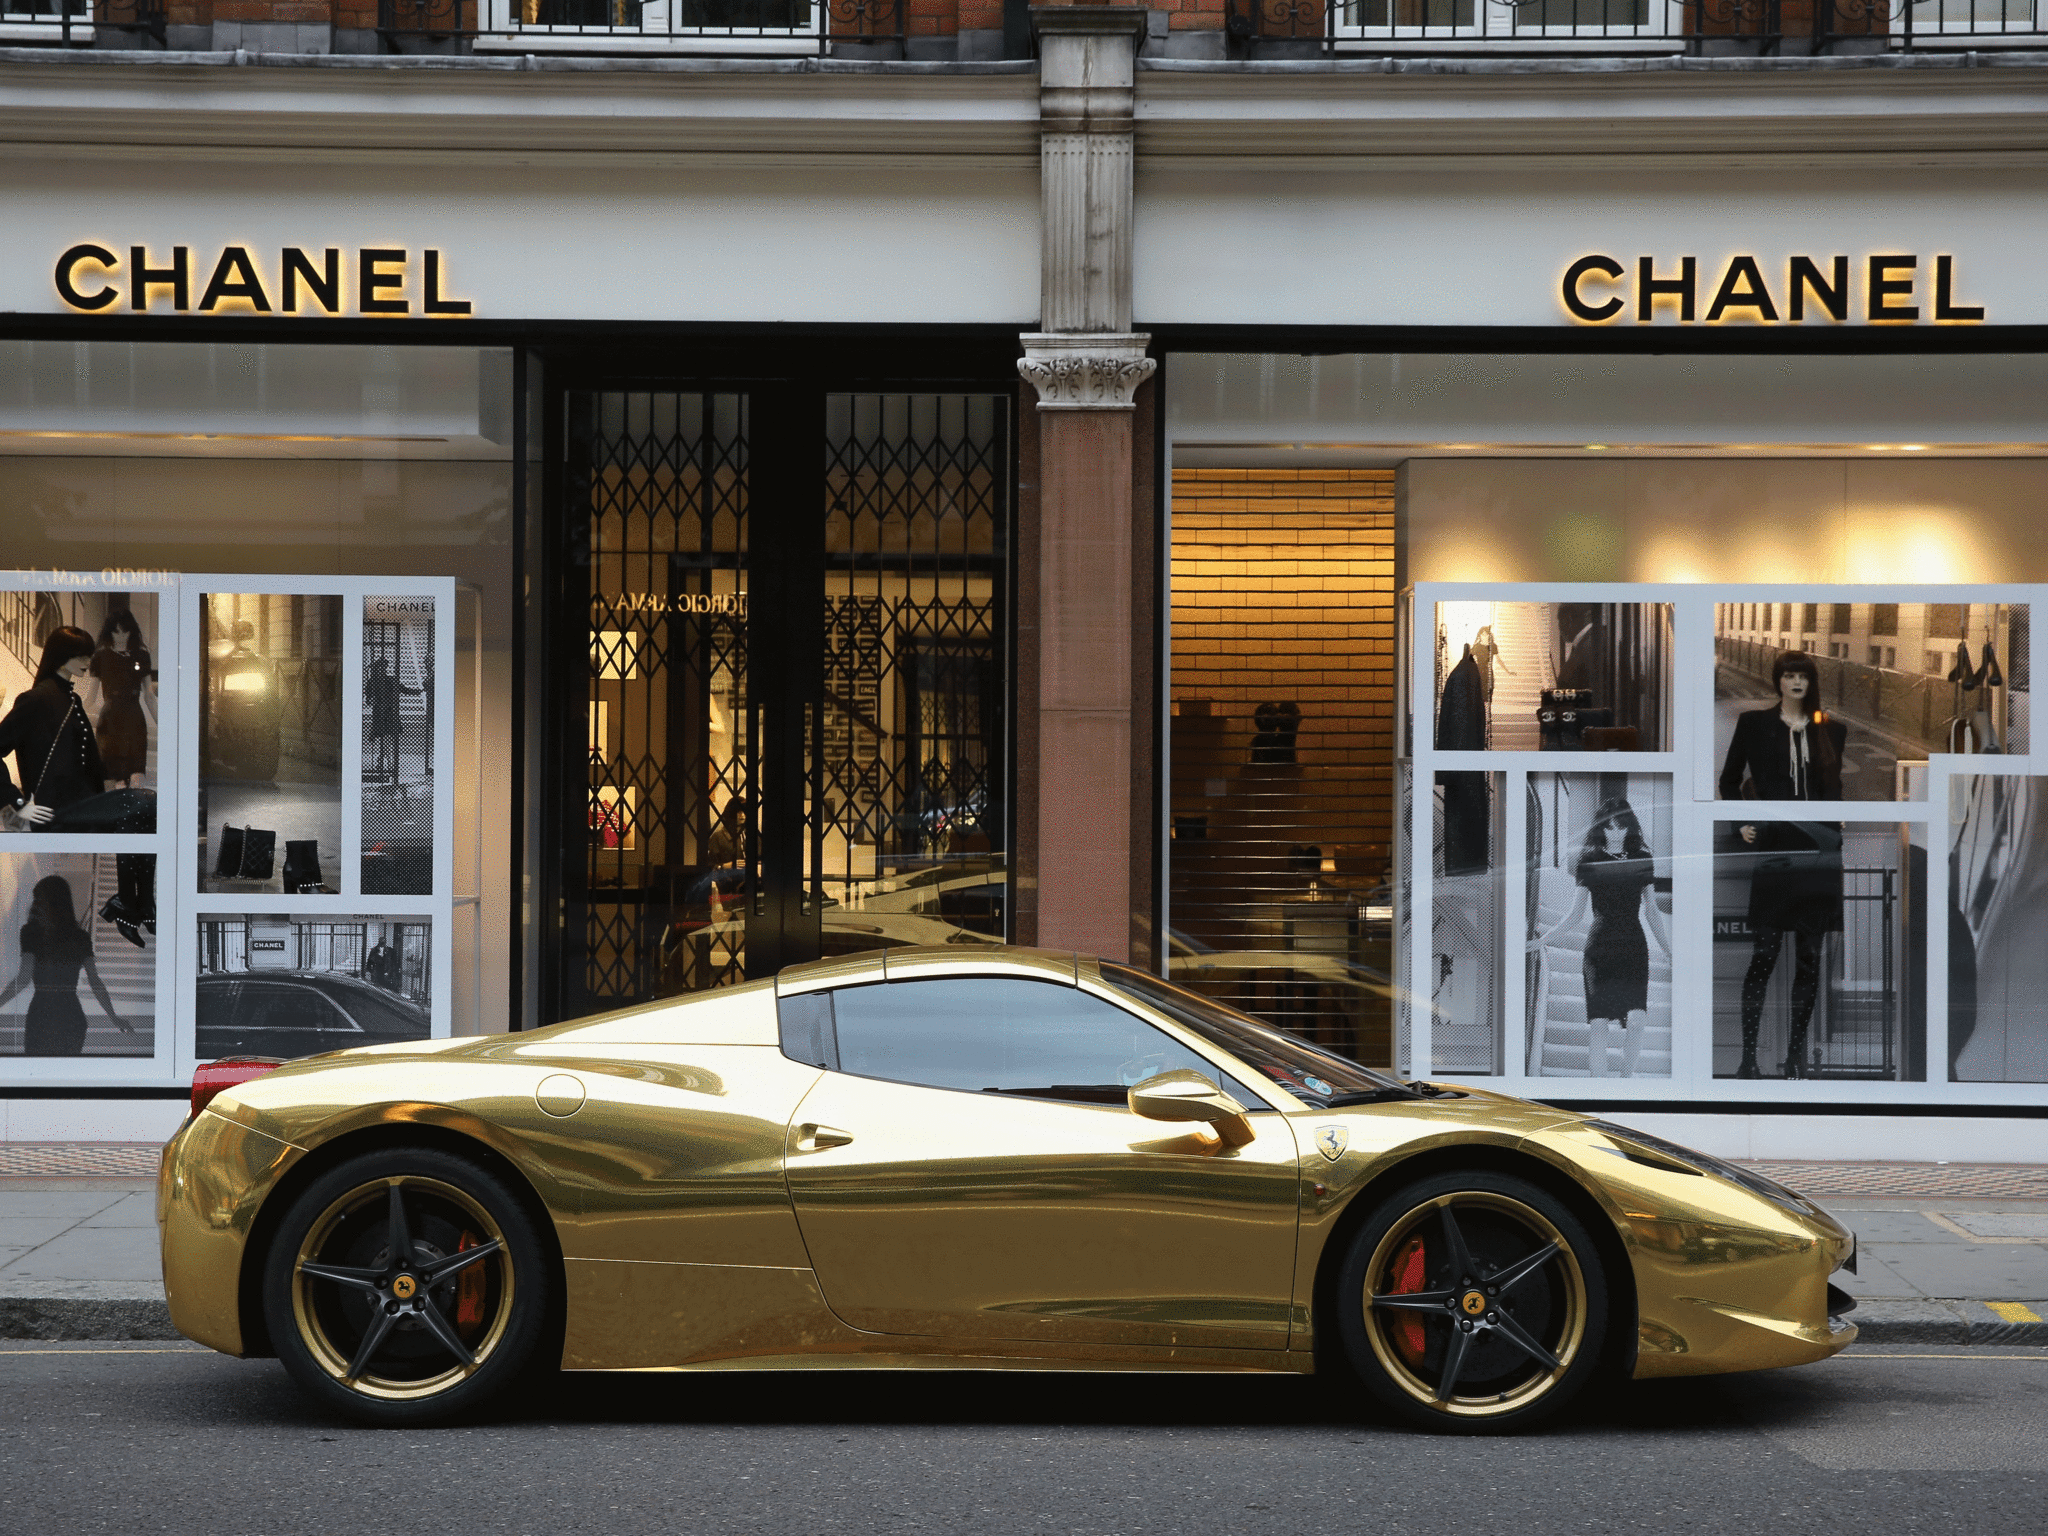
point(1726, 1278)
point(214, 1176)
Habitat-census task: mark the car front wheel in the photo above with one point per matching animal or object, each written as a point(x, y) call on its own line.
point(407, 1286)
point(1472, 1302)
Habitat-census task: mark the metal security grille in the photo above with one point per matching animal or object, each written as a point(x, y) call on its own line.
point(906, 743)
point(657, 500)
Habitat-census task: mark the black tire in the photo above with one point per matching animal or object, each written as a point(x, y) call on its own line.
point(494, 1309)
point(1529, 1299)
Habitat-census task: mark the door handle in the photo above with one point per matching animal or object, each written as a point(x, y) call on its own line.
point(816, 1138)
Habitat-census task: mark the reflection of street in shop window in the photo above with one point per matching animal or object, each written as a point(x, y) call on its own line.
point(1790, 752)
point(55, 947)
point(1617, 881)
point(243, 709)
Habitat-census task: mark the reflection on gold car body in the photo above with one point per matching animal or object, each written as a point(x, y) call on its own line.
point(708, 1202)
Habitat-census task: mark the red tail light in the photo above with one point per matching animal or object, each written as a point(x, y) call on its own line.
point(215, 1077)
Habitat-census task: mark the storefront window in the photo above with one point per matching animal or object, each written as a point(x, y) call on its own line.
point(286, 575)
point(1715, 772)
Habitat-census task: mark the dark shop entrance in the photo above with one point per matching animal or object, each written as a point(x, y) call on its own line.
point(775, 682)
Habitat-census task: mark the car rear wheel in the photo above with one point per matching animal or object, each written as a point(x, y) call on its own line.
point(1473, 1302)
point(406, 1286)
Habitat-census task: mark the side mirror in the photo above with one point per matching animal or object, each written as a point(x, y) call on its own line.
point(1187, 1095)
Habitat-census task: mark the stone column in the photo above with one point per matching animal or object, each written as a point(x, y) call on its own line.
point(1085, 364)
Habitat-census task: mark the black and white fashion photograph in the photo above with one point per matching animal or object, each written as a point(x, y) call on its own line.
point(1599, 924)
point(398, 746)
point(284, 984)
point(1997, 960)
point(78, 712)
point(1553, 677)
point(73, 982)
point(1896, 682)
point(270, 722)
point(1813, 957)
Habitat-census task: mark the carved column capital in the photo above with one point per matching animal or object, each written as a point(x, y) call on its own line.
point(1089, 371)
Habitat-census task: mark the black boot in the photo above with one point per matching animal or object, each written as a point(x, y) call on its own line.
point(302, 869)
point(133, 904)
point(1795, 1054)
point(1748, 1070)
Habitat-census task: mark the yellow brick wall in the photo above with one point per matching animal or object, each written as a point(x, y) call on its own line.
point(1283, 588)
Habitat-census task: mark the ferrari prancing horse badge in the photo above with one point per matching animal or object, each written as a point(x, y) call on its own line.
point(1331, 1141)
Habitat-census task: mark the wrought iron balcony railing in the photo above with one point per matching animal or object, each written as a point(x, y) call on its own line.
point(1633, 26)
point(73, 22)
point(782, 27)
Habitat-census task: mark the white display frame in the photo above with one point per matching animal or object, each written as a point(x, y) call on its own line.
point(1695, 810)
point(180, 903)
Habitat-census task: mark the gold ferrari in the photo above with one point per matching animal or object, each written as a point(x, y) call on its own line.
point(1000, 1158)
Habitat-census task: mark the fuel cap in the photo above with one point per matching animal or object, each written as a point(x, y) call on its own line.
point(559, 1095)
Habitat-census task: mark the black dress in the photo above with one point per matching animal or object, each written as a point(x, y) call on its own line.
point(122, 729)
point(55, 1025)
point(1617, 958)
point(1796, 882)
point(55, 755)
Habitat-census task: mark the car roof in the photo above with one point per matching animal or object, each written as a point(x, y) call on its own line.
point(903, 962)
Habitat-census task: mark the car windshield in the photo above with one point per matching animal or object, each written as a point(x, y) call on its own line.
point(1320, 1077)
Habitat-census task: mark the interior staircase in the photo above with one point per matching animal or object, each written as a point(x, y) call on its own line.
point(1560, 1041)
point(1520, 674)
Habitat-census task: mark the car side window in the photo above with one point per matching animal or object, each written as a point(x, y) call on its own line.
point(277, 1005)
point(989, 1034)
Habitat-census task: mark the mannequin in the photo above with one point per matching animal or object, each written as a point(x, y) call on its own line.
point(1790, 752)
point(56, 755)
point(1616, 879)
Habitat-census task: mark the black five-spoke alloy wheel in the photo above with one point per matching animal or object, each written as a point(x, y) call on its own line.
point(407, 1286)
point(1472, 1301)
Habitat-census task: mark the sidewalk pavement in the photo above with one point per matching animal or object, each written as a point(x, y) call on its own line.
point(1947, 1253)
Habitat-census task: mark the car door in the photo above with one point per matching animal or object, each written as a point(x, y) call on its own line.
point(967, 1168)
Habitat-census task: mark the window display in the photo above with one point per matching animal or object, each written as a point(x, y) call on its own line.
point(77, 711)
point(270, 743)
point(1899, 682)
point(398, 746)
point(1997, 964)
point(1740, 845)
point(1599, 887)
point(56, 952)
point(1562, 677)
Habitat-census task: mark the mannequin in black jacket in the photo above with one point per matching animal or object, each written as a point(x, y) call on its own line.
point(55, 753)
point(1792, 752)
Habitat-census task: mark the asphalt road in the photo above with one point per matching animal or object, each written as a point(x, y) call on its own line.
point(144, 1439)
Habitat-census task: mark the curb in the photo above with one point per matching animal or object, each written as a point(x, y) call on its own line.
point(1880, 1322)
point(84, 1317)
point(1948, 1322)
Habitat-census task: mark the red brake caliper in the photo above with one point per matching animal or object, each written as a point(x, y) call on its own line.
point(469, 1292)
point(1409, 1271)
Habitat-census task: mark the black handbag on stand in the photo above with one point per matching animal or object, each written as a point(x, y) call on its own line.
point(245, 854)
